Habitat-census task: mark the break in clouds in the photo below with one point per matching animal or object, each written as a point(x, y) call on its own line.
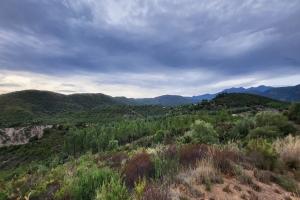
point(139, 48)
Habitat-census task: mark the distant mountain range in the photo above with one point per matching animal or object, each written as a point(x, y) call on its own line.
point(28, 105)
point(50, 102)
point(290, 93)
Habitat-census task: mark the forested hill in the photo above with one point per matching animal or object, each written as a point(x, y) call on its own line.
point(50, 102)
point(32, 102)
point(243, 99)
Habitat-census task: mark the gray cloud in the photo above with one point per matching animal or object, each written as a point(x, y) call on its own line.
point(226, 38)
point(9, 85)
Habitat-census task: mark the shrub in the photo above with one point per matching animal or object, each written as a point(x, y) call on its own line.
point(87, 181)
point(265, 132)
point(263, 176)
point(159, 136)
point(289, 151)
point(276, 120)
point(224, 131)
point(153, 192)
point(171, 152)
point(203, 132)
point(114, 189)
point(139, 166)
point(139, 188)
point(113, 145)
point(245, 179)
point(206, 173)
point(162, 136)
point(116, 159)
point(190, 153)
point(287, 183)
point(242, 128)
point(268, 118)
point(165, 166)
point(223, 161)
point(3, 196)
point(262, 153)
point(294, 112)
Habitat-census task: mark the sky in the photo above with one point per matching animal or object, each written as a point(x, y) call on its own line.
point(147, 48)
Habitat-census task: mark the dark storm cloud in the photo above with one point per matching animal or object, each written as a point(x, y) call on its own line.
point(226, 37)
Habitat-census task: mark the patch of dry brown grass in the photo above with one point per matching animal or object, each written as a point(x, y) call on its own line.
point(289, 151)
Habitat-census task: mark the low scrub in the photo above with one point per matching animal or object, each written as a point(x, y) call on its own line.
point(265, 132)
point(224, 160)
point(294, 112)
point(206, 173)
point(139, 166)
point(262, 154)
point(287, 183)
point(263, 176)
point(241, 129)
point(165, 166)
point(275, 119)
point(155, 192)
point(201, 132)
point(289, 151)
point(87, 181)
point(114, 189)
point(189, 154)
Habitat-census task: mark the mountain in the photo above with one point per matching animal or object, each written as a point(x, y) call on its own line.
point(50, 102)
point(29, 105)
point(245, 99)
point(165, 100)
point(30, 102)
point(289, 93)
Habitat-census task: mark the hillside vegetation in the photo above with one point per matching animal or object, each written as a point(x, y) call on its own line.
point(236, 146)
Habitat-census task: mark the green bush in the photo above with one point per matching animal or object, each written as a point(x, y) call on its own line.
point(242, 128)
point(294, 112)
point(113, 145)
point(162, 136)
point(114, 189)
point(288, 128)
point(165, 166)
point(268, 118)
point(203, 132)
point(88, 180)
point(262, 153)
point(265, 132)
point(3, 196)
point(275, 119)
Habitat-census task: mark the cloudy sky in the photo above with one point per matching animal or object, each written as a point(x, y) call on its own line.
point(145, 48)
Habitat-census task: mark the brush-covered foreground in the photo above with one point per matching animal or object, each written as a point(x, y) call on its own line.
point(205, 151)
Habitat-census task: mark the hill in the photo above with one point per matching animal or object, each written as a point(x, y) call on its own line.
point(49, 102)
point(166, 100)
point(291, 93)
point(240, 102)
point(243, 99)
point(28, 105)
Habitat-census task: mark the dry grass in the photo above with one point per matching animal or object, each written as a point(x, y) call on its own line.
point(155, 192)
point(289, 151)
point(205, 170)
point(203, 173)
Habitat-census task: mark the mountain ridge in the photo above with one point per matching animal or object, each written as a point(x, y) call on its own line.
point(35, 99)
